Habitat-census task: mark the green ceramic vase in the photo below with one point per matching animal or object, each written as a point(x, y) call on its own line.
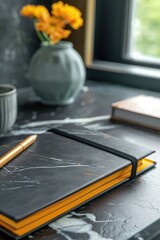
point(57, 73)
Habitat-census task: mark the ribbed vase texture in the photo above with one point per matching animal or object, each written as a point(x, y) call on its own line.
point(8, 110)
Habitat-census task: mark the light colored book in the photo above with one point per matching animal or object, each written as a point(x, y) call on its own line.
point(140, 110)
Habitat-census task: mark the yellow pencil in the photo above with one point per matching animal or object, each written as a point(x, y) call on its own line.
point(17, 150)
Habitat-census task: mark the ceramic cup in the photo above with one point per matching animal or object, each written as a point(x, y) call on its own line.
point(8, 107)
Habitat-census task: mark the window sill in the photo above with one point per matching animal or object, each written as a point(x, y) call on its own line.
point(135, 76)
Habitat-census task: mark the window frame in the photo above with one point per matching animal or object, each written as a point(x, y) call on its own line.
point(118, 68)
point(124, 71)
point(83, 39)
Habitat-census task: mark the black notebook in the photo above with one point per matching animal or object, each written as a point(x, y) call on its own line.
point(65, 168)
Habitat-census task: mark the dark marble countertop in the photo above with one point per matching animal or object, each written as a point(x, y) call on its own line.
point(119, 213)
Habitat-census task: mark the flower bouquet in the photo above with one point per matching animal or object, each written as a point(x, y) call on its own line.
point(56, 71)
point(51, 27)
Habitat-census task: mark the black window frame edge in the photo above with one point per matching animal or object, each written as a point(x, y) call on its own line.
point(127, 72)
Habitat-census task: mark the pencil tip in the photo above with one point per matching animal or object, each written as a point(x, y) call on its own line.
point(34, 137)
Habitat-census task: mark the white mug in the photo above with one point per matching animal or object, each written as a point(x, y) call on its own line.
point(8, 107)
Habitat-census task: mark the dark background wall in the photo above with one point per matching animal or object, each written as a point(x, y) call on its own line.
point(18, 41)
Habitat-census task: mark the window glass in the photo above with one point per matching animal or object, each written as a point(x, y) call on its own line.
point(145, 30)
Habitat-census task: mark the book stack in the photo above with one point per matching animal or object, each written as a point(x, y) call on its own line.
point(65, 168)
point(140, 110)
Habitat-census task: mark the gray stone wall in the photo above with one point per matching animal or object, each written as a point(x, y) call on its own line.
point(18, 41)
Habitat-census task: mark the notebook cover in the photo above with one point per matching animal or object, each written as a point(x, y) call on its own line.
point(102, 140)
point(35, 179)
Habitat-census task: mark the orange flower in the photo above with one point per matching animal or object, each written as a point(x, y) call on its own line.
point(39, 12)
point(42, 13)
point(42, 26)
point(71, 15)
point(57, 22)
point(28, 11)
point(76, 23)
point(52, 27)
point(57, 9)
point(56, 34)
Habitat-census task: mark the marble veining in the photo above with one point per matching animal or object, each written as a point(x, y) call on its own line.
point(39, 127)
point(17, 181)
point(99, 126)
point(23, 132)
point(70, 223)
point(20, 173)
point(120, 213)
point(45, 167)
point(85, 132)
point(65, 121)
point(52, 159)
point(18, 187)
